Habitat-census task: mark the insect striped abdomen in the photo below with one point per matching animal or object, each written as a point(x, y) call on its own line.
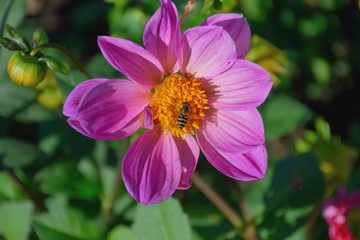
point(182, 120)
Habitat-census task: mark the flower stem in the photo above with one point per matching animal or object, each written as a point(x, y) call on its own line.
point(249, 231)
point(217, 200)
point(6, 12)
point(189, 7)
point(28, 193)
point(64, 51)
point(117, 181)
point(313, 217)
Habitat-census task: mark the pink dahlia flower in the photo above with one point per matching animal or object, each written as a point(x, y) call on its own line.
point(343, 215)
point(197, 84)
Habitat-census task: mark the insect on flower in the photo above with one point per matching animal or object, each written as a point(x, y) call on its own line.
point(183, 116)
point(179, 87)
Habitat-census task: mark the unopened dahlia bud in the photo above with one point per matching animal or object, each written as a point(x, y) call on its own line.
point(50, 98)
point(25, 69)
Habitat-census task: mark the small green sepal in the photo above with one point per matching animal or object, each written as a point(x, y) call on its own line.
point(55, 65)
point(25, 73)
point(9, 44)
point(17, 37)
point(29, 59)
point(39, 37)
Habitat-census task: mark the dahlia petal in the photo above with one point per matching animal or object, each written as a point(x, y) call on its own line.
point(207, 51)
point(241, 166)
point(234, 131)
point(152, 169)
point(189, 155)
point(147, 121)
point(162, 36)
point(73, 100)
point(131, 127)
point(244, 86)
point(124, 101)
point(74, 123)
point(236, 26)
point(132, 60)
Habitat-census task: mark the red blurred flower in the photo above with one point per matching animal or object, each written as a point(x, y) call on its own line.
point(343, 215)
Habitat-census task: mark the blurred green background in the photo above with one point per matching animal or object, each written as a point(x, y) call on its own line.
point(311, 118)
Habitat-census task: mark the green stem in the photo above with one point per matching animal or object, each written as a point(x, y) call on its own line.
point(6, 12)
point(190, 5)
point(28, 193)
point(64, 51)
point(117, 181)
point(217, 200)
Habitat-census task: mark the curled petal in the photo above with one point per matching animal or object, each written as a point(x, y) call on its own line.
point(244, 86)
point(189, 155)
point(132, 126)
point(162, 36)
point(152, 169)
point(234, 131)
point(237, 27)
point(132, 60)
point(73, 100)
point(147, 120)
point(241, 166)
point(108, 109)
point(207, 51)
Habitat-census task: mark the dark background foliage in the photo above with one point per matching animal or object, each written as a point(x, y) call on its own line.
point(311, 118)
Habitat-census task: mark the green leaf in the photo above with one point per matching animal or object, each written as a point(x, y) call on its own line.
point(282, 114)
point(128, 24)
point(17, 153)
point(35, 112)
point(297, 184)
point(99, 67)
point(9, 44)
point(13, 17)
point(162, 221)
point(65, 224)
point(323, 128)
point(16, 12)
point(29, 59)
point(207, 6)
point(39, 37)
point(321, 70)
point(7, 190)
point(65, 178)
point(55, 64)
point(254, 195)
point(121, 232)
point(17, 37)
point(13, 98)
point(68, 82)
point(15, 219)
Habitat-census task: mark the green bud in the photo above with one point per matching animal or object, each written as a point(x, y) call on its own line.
point(50, 98)
point(29, 58)
point(25, 73)
point(48, 82)
point(39, 37)
point(9, 44)
point(17, 37)
point(55, 64)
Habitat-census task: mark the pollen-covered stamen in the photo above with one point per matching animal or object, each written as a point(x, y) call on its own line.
point(167, 104)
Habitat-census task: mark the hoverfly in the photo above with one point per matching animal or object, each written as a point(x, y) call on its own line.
point(182, 119)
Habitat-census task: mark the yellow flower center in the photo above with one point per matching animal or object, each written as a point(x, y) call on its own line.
point(178, 105)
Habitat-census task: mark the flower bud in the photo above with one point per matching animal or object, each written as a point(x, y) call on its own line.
point(48, 82)
point(50, 98)
point(25, 73)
